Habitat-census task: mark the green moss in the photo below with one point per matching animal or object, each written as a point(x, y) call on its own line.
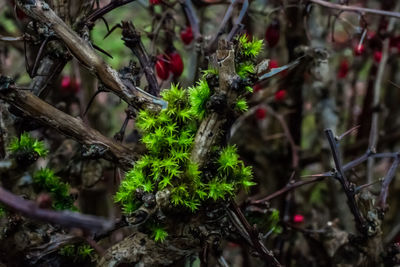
point(3, 212)
point(250, 48)
point(199, 95)
point(46, 180)
point(26, 144)
point(158, 233)
point(77, 253)
point(169, 136)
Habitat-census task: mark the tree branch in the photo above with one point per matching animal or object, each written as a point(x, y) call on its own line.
point(66, 219)
point(84, 52)
point(73, 127)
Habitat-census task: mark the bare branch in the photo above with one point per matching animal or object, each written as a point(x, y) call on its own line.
point(68, 125)
point(357, 9)
point(66, 219)
point(87, 56)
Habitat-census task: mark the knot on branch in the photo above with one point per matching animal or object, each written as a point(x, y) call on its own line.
point(94, 151)
point(6, 83)
point(217, 103)
point(129, 34)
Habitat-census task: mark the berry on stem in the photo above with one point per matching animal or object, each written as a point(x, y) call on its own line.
point(273, 64)
point(272, 34)
point(261, 113)
point(187, 35)
point(359, 50)
point(377, 56)
point(298, 218)
point(162, 67)
point(155, 2)
point(257, 87)
point(280, 95)
point(343, 69)
point(70, 85)
point(176, 64)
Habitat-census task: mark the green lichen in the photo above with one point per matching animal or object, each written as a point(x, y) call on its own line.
point(26, 144)
point(46, 180)
point(169, 136)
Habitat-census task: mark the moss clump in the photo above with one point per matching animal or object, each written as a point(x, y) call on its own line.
point(158, 233)
point(77, 253)
point(169, 137)
point(27, 149)
point(3, 212)
point(46, 180)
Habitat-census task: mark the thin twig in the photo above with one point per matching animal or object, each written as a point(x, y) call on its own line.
point(238, 21)
point(386, 182)
point(357, 9)
point(373, 135)
point(132, 40)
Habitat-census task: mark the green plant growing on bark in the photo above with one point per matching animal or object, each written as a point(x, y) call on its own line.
point(46, 180)
point(78, 253)
point(169, 137)
point(27, 144)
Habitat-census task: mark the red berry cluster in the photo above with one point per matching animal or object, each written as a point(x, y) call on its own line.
point(169, 63)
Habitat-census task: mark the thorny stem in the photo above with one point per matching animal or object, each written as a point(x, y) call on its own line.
point(252, 234)
point(132, 40)
point(104, 10)
point(373, 135)
point(287, 188)
point(347, 187)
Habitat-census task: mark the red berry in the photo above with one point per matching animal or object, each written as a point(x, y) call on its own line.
point(395, 43)
point(44, 201)
point(155, 2)
point(176, 63)
point(20, 14)
point(359, 50)
point(298, 218)
point(273, 64)
point(280, 95)
point(187, 35)
point(257, 87)
point(272, 34)
point(343, 69)
point(65, 82)
point(70, 85)
point(261, 113)
point(378, 56)
point(162, 67)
